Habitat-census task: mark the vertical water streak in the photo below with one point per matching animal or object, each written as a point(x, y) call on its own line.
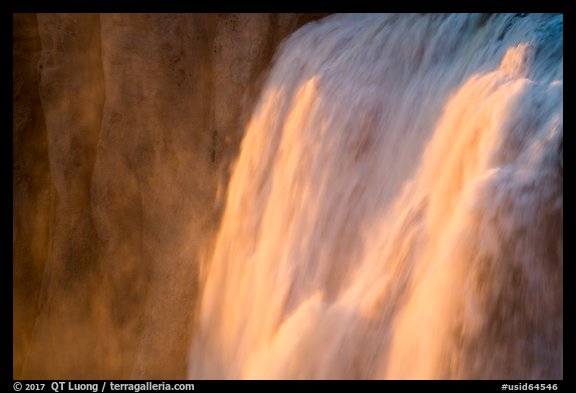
point(396, 209)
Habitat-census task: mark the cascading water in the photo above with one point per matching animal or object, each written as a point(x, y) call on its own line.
point(396, 209)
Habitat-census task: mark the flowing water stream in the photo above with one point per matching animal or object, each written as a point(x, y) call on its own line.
point(396, 209)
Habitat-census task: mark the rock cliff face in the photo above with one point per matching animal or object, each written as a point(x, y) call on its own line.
point(125, 129)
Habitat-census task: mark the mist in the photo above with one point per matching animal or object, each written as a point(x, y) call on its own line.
point(288, 196)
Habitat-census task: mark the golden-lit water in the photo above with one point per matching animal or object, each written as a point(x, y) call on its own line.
point(396, 209)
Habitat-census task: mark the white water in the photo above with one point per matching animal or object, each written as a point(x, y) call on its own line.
point(396, 210)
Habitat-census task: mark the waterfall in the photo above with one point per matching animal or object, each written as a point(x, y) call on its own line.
point(396, 209)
